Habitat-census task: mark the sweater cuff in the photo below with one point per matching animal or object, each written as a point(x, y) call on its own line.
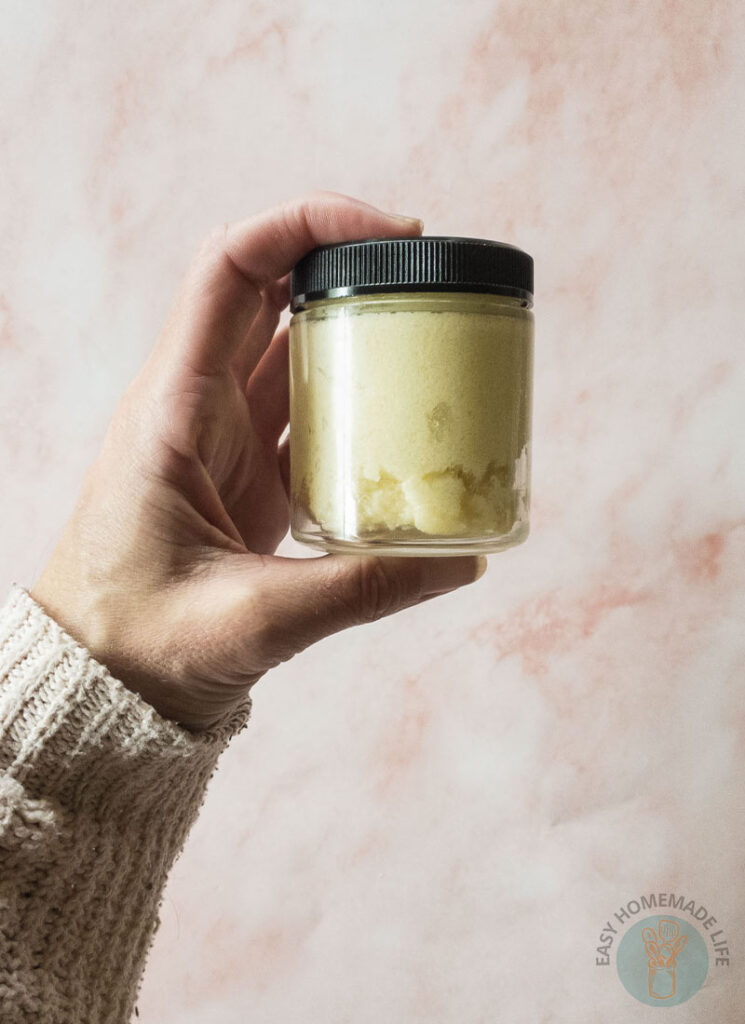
point(66, 718)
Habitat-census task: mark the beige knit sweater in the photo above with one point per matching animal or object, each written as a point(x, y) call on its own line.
point(97, 795)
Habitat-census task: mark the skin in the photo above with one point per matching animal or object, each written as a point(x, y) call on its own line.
point(166, 569)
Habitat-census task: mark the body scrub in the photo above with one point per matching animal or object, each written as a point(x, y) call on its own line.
point(410, 396)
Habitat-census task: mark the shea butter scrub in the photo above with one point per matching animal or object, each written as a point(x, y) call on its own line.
point(410, 396)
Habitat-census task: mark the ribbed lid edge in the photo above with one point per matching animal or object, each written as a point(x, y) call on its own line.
point(437, 263)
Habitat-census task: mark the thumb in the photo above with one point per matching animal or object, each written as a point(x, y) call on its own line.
point(307, 599)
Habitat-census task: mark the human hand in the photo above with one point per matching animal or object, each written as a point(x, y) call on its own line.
point(166, 570)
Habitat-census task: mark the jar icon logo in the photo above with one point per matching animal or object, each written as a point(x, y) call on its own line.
point(662, 948)
point(662, 960)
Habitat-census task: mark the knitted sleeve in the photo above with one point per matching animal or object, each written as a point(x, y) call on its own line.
point(97, 795)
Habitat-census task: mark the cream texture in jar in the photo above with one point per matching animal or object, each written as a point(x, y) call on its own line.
point(410, 420)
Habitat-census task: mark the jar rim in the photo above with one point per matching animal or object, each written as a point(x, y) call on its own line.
point(300, 302)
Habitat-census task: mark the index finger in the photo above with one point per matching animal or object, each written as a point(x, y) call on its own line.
point(222, 293)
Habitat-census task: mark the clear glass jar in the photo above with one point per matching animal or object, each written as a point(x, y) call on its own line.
point(410, 422)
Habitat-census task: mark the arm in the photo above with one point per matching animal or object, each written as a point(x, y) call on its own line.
point(127, 667)
point(97, 795)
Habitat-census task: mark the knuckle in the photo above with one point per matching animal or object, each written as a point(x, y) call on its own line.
point(215, 238)
point(323, 194)
point(317, 198)
point(379, 589)
point(267, 643)
point(212, 246)
point(261, 628)
point(257, 609)
point(297, 218)
point(273, 636)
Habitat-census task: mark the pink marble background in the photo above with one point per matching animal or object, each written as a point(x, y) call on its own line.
point(432, 818)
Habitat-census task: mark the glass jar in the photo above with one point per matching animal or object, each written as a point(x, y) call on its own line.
point(410, 396)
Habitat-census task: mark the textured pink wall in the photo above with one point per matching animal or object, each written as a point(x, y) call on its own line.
point(432, 818)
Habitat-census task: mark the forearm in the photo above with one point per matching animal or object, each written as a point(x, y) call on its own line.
point(97, 795)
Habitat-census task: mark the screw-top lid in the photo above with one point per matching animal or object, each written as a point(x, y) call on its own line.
point(431, 263)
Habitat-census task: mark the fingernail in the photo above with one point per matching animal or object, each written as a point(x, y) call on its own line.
point(443, 574)
point(408, 220)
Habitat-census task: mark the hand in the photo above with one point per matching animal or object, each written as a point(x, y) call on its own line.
point(166, 570)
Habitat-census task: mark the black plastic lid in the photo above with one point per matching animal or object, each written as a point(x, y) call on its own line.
point(435, 263)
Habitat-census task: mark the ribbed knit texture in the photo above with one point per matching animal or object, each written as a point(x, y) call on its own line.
point(97, 796)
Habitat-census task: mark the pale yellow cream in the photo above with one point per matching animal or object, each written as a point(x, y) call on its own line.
point(410, 417)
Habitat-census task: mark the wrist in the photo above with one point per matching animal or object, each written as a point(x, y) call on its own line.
point(96, 617)
point(145, 639)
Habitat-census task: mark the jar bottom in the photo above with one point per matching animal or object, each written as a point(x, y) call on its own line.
point(428, 546)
